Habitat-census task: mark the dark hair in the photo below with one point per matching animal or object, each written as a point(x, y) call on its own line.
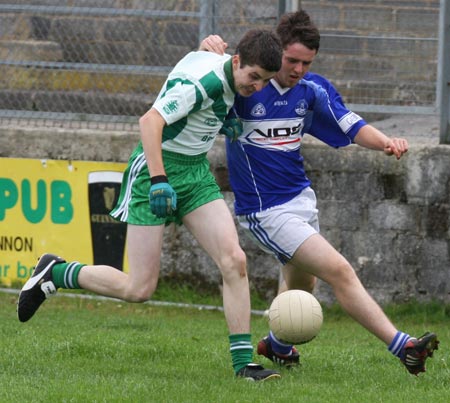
point(262, 48)
point(298, 27)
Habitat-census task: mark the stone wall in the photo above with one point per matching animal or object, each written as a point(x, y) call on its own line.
point(389, 218)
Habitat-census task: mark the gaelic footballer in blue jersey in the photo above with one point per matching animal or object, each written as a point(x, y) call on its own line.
point(275, 203)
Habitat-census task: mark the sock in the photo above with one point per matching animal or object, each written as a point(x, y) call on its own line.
point(398, 342)
point(241, 350)
point(65, 275)
point(279, 347)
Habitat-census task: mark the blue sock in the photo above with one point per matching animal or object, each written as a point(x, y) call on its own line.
point(278, 346)
point(398, 342)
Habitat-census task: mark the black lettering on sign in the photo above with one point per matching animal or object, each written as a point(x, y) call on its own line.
point(16, 243)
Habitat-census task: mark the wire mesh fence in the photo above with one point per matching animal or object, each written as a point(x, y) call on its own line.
point(105, 60)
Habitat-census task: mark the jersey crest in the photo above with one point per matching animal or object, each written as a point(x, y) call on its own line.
point(258, 110)
point(301, 108)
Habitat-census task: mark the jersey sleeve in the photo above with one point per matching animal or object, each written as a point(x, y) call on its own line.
point(178, 98)
point(332, 122)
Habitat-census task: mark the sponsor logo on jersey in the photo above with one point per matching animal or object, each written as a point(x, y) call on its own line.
point(281, 103)
point(352, 118)
point(258, 110)
point(301, 108)
point(211, 122)
point(282, 135)
point(171, 107)
point(348, 120)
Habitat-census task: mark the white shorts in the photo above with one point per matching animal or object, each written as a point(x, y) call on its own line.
point(280, 230)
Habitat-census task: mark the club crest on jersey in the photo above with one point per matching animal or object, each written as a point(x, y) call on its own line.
point(258, 110)
point(301, 107)
point(170, 107)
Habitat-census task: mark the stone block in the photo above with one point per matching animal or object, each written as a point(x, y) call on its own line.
point(340, 214)
point(386, 215)
point(433, 277)
point(127, 30)
point(422, 17)
point(73, 29)
point(328, 17)
point(368, 18)
point(428, 176)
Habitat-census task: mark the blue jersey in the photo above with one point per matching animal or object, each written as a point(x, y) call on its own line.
point(265, 164)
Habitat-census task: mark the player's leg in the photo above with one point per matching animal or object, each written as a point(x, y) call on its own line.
point(317, 257)
point(296, 279)
point(53, 272)
point(273, 349)
point(144, 252)
point(214, 228)
point(279, 231)
point(144, 240)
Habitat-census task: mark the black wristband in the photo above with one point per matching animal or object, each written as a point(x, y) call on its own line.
point(158, 179)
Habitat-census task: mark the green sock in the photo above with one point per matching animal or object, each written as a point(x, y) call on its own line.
point(241, 350)
point(65, 275)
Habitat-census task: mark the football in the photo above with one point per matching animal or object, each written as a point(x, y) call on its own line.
point(295, 317)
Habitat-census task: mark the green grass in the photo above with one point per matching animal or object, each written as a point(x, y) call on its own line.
point(84, 350)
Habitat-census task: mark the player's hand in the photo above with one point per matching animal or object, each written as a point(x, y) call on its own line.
point(396, 146)
point(213, 43)
point(163, 199)
point(232, 128)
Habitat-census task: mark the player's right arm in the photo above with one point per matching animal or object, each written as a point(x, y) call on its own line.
point(162, 197)
point(372, 138)
point(151, 125)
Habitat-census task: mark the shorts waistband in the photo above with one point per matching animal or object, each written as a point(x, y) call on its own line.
point(183, 159)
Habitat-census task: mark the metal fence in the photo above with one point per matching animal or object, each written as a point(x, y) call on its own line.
point(105, 60)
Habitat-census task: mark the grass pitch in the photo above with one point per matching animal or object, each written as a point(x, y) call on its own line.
point(81, 350)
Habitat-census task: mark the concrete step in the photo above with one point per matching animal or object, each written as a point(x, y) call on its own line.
point(403, 93)
point(30, 50)
point(51, 79)
point(392, 92)
point(374, 68)
point(402, 17)
point(78, 102)
point(355, 58)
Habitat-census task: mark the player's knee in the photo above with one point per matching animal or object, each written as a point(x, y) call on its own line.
point(344, 273)
point(234, 264)
point(140, 294)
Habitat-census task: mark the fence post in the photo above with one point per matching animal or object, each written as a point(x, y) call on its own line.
point(287, 6)
point(443, 90)
point(207, 23)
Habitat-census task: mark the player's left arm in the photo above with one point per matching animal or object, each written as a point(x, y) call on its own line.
point(372, 138)
point(213, 43)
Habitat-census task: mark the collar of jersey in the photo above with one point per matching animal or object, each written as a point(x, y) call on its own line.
point(228, 70)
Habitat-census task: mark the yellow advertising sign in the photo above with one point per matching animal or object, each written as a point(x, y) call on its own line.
point(59, 207)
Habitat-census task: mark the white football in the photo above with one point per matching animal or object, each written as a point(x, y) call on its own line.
point(295, 317)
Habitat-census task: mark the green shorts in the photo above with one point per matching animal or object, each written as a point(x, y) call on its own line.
point(189, 176)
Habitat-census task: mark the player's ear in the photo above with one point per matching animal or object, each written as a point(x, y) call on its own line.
point(236, 61)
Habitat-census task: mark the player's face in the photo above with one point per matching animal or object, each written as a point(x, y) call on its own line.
point(296, 62)
point(249, 79)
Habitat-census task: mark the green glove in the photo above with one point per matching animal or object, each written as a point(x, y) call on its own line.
point(232, 128)
point(163, 199)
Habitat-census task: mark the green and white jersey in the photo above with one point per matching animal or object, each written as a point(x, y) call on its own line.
point(194, 102)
